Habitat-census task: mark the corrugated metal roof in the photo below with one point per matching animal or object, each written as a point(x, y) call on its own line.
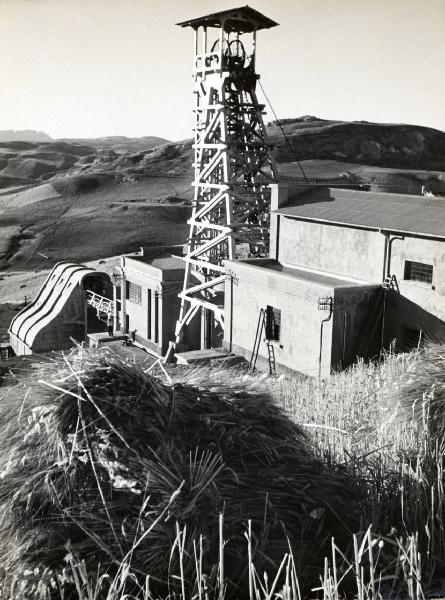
point(403, 213)
point(242, 18)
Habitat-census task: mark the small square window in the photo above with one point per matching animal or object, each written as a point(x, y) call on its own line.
point(273, 323)
point(416, 271)
point(134, 292)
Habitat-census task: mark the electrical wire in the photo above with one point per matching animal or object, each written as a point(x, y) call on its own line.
point(283, 132)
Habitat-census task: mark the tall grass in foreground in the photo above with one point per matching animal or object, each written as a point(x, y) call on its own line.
point(377, 429)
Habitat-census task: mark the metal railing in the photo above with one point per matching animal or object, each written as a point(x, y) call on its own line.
point(100, 303)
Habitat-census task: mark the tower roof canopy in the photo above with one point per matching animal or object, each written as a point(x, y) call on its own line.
point(243, 19)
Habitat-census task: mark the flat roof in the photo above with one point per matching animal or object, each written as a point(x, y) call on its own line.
point(164, 263)
point(315, 277)
point(242, 18)
point(403, 213)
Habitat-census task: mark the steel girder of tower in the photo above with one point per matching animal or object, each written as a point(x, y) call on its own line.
point(232, 162)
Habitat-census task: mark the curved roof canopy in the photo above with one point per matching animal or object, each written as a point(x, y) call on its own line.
point(49, 302)
point(242, 19)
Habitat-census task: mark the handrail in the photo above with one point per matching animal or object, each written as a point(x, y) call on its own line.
point(100, 303)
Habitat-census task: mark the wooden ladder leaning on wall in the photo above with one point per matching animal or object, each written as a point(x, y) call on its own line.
point(261, 327)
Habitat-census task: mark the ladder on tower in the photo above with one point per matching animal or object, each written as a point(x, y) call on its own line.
point(261, 328)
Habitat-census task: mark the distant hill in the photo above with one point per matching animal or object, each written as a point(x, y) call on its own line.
point(353, 152)
point(119, 143)
point(383, 145)
point(26, 135)
point(86, 199)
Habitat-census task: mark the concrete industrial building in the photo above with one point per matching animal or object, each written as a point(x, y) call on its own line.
point(349, 272)
point(146, 298)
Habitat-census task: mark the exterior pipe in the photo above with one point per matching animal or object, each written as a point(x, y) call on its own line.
point(385, 254)
point(382, 334)
point(387, 273)
point(331, 310)
point(388, 260)
point(123, 296)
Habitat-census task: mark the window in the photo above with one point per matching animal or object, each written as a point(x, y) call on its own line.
point(273, 323)
point(416, 271)
point(134, 292)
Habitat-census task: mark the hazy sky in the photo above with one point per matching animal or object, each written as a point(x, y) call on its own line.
point(89, 68)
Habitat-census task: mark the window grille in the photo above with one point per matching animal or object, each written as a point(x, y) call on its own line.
point(273, 323)
point(134, 292)
point(416, 271)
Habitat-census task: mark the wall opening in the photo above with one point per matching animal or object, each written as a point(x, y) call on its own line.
point(134, 292)
point(148, 314)
point(273, 323)
point(156, 318)
point(416, 271)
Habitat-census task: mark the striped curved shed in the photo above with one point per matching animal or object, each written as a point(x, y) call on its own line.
point(59, 313)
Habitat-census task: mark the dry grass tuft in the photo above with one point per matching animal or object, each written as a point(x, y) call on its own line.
point(109, 475)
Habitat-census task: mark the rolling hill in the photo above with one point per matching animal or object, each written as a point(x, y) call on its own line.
point(82, 201)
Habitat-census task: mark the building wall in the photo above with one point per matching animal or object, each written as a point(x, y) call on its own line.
point(344, 251)
point(406, 322)
point(250, 288)
point(357, 324)
point(360, 254)
point(428, 296)
point(163, 293)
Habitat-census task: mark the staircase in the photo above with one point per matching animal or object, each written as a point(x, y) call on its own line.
point(261, 328)
point(104, 306)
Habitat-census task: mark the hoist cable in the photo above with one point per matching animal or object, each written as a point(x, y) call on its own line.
point(283, 132)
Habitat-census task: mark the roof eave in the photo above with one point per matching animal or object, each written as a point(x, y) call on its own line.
point(261, 21)
point(360, 225)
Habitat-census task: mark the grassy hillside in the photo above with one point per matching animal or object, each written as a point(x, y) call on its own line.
point(83, 218)
point(67, 200)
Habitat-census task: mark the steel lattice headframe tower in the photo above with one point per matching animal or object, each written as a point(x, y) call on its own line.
point(233, 164)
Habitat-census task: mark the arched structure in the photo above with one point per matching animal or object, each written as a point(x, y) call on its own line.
point(60, 312)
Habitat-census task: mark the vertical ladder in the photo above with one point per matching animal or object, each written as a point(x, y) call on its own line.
point(390, 282)
point(261, 326)
point(256, 344)
point(271, 358)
